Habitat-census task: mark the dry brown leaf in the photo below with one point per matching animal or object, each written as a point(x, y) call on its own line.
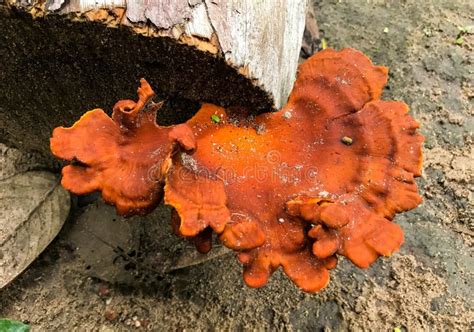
point(33, 208)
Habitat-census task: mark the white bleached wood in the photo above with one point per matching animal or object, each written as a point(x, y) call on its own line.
point(199, 24)
point(82, 5)
point(264, 36)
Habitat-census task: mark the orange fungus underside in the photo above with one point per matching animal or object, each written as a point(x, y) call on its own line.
point(322, 177)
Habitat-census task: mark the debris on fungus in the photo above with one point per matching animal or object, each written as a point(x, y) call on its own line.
point(324, 178)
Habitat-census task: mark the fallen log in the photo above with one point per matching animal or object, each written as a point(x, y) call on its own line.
point(63, 57)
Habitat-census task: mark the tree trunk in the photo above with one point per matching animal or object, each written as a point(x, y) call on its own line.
point(61, 58)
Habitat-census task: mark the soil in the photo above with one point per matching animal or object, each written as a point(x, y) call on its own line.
point(426, 286)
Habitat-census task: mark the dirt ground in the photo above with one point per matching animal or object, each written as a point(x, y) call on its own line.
point(426, 286)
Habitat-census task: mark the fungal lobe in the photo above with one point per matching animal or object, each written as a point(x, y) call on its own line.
point(123, 156)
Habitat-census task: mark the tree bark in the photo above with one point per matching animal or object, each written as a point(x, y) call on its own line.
point(64, 57)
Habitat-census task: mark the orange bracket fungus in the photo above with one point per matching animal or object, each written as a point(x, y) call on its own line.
point(322, 177)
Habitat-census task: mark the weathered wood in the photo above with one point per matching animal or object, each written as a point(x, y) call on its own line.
point(261, 37)
point(63, 57)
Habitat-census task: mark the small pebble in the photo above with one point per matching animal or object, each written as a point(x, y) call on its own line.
point(346, 140)
point(103, 291)
point(110, 315)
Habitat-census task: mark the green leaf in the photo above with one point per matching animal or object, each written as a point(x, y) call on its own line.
point(397, 329)
point(7, 325)
point(215, 118)
point(324, 44)
point(459, 40)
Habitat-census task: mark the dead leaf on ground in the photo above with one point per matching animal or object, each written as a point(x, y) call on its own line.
point(131, 250)
point(33, 208)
